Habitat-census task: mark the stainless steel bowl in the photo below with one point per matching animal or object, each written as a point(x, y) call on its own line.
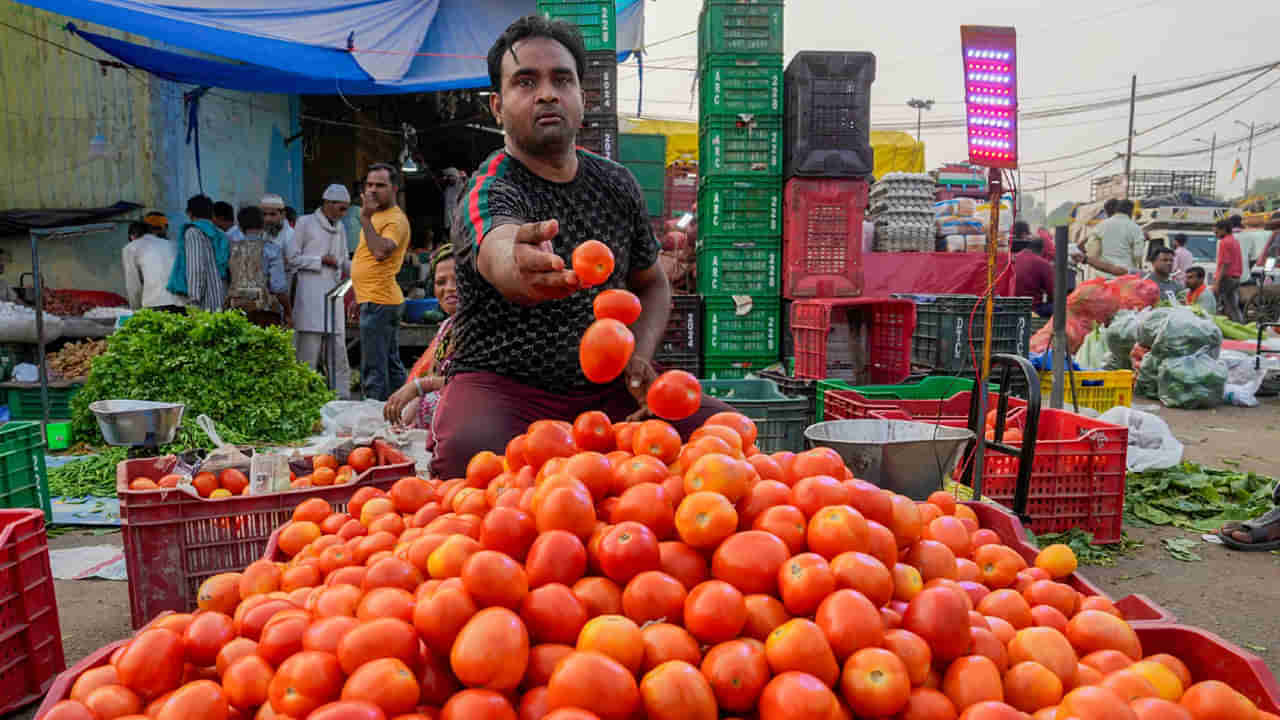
point(138, 423)
point(909, 458)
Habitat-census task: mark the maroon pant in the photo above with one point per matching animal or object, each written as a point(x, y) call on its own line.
point(483, 411)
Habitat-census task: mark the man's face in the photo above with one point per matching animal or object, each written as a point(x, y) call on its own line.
point(272, 218)
point(1194, 280)
point(540, 106)
point(1163, 264)
point(223, 224)
point(334, 210)
point(1219, 233)
point(378, 191)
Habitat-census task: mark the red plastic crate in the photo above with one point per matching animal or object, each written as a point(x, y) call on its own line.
point(30, 639)
point(886, 353)
point(822, 237)
point(952, 411)
point(1136, 608)
point(680, 194)
point(1209, 657)
point(1077, 479)
point(174, 542)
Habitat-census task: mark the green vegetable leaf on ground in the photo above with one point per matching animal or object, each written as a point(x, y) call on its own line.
point(1195, 498)
point(1081, 543)
point(1183, 549)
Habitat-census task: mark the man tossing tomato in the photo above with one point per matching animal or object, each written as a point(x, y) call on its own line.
point(523, 310)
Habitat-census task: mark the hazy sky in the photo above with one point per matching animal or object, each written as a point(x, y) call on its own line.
point(1069, 53)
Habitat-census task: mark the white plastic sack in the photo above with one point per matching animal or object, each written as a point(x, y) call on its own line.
point(353, 419)
point(1152, 445)
point(1092, 354)
point(1244, 376)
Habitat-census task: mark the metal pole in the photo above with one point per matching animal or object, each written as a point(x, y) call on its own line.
point(1248, 165)
point(919, 115)
point(1213, 150)
point(1128, 153)
point(44, 372)
point(994, 191)
point(1059, 315)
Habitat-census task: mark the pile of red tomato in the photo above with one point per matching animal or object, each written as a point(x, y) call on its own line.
point(604, 571)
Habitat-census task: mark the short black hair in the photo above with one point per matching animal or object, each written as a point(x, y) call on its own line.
point(1126, 207)
point(224, 211)
point(201, 207)
point(1180, 239)
point(393, 175)
point(1021, 228)
point(531, 26)
point(1237, 221)
point(1196, 269)
point(290, 214)
point(1109, 207)
point(138, 229)
point(1224, 225)
point(251, 218)
point(1161, 250)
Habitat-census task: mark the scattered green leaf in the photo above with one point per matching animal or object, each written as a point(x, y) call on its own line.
point(1195, 498)
point(1183, 549)
point(1255, 648)
point(1081, 543)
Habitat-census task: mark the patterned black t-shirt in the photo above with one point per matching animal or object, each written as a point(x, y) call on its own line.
point(538, 345)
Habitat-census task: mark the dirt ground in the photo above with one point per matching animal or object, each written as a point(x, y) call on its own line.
point(1233, 594)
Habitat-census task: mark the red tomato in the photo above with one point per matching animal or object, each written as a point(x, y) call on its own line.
point(151, 664)
point(675, 395)
point(627, 550)
point(304, 682)
point(199, 700)
point(592, 263)
point(621, 305)
point(675, 690)
point(605, 350)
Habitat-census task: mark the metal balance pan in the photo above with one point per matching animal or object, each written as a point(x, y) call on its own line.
point(909, 458)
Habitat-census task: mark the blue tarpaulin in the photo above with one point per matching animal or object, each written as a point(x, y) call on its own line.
point(316, 46)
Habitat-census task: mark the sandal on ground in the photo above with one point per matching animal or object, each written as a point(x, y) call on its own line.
point(1263, 532)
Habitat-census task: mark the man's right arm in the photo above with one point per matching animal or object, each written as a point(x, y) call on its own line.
point(519, 263)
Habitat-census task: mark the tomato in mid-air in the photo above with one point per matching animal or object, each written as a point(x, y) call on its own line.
point(621, 305)
point(675, 395)
point(592, 263)
point(605, 350)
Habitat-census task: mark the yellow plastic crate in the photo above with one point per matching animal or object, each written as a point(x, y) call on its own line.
point(1097, 389)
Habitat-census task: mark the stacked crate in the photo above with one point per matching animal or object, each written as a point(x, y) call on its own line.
point(740, 116)
point(597, 21)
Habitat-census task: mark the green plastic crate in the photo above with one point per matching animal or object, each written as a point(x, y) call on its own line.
point(780, 420)
point(24, 482)
point(735, 27)
point(747, 266)
point(751, 85)
point(740, 146)
point(930, 388)
point(642, 148)
point(730, 331)
point(740, 207)
point(24, 402)
point(596, 20)
point(734, 369)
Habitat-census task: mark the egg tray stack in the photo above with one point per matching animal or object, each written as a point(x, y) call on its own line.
point(901, 206)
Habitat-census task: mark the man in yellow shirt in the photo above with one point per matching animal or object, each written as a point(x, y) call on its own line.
point(384, 238)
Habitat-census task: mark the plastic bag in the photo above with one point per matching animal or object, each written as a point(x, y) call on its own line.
point(1186, 333)
point(1121, 335)
point(1134, 293)
point(1150, 324)
point(222, 456)
point(1093, 300)
point(1192, 381)
point(1147, 382)
point(1093, 351)
point(1152, 445)
point(1244, 378)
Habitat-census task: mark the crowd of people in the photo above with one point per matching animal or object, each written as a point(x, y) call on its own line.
point(279, 269)
point(1118, 246)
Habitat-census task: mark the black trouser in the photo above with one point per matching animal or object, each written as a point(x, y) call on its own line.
point(381, 372)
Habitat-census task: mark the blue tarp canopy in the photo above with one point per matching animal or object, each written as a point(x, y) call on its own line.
point(364, 47)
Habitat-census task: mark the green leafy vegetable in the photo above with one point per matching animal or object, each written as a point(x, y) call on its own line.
point(1195, 498)
point(219, 364)
point(1183, 549)
point(1081, 543)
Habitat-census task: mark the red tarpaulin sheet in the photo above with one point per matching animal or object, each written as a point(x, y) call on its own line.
point(929, 273)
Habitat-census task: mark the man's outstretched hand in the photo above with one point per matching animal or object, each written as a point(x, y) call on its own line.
point(541, 273)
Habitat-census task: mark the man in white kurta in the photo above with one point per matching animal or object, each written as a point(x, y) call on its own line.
point(319, 259)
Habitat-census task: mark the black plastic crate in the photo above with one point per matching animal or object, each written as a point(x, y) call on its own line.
point(690, 363)
point(794, 387)
point(941, 338)
point(600, 83)
point(599, 134)
point(684, 328)
point(827, 125)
